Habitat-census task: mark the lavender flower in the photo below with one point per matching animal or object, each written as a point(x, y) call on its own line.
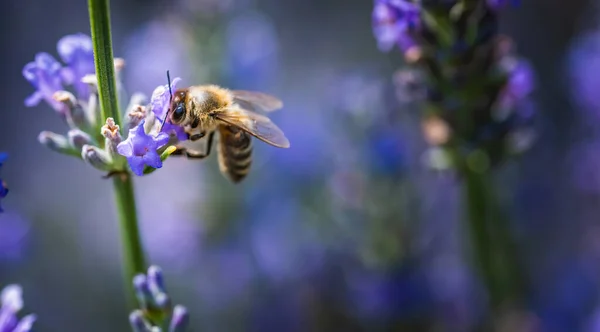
point(77, 52)
point(102, 143)
point(159, 104)
point(140, 149)
point(44, 73)
point(393, 20)
point(156, 305)
point(11, 303)
point(488, 108)
point(3, 186)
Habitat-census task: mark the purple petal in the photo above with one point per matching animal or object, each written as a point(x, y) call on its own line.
point(29, 72)
point(180, 319)
point(161, 139)
point(68, 46)
point(152, 159)
point(176, 130)
point(160, 99)
point(12, 298)
point(34, 99)
point(77, 52)
point(67, 75)
point(136, 163)
point(125, 149)
point(26, 324)
point(44, 75)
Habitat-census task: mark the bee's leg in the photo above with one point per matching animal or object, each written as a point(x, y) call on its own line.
point(192, 154)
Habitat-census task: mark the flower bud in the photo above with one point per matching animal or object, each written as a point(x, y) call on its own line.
point(111, 133)
point(138, 322)
point(74, 114)
point(142, 291)
point(134, 116)
point(56, 142)
point(77, 138)
point(96, 157)
point(180, 319)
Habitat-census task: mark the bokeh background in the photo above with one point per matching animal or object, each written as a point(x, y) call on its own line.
point(345, 231)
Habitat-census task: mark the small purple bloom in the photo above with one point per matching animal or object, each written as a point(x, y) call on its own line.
point(159, 104)
point(180, 319)
point(11, 301)
point(393, 21)
point(44, 73)
point(520, 84)
point(151, 292)
point(140, 149)
point(77, 53)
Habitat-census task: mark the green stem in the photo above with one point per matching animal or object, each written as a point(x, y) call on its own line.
point(493, 246)
point(103, 59)
point(133, 253)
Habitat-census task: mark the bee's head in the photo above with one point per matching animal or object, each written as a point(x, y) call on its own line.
point(178, 107)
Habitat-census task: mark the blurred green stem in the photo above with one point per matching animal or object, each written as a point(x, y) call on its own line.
point(133, 253)
point(493, 247)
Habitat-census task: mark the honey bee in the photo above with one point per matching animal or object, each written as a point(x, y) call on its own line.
point(203, 110)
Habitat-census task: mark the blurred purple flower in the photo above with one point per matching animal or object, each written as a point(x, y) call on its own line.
point(520, 84)
point(252, 51)
point(393, 21)
point(397, 293)
point(152, 296)
point(583, 65)
point(77, 53)
point(388, 151)
point(284, 249)
point(3, 186)
point(227, 273)
point(140, 149)
point(172, 48)
point(11, 300)
point(584, 162)
point(14, 231)
point(159, 103)
point(45, 74)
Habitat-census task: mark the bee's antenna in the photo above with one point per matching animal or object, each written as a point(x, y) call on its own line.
point(169, 80)
point(170, 100)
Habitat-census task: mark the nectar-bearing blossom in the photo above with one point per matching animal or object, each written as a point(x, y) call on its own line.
point(156, 313)
point(393, 20)
point(487, 114)
point(44, 73)
point(140, 149)
point(159, 105)
point(11, 302)
point(77, 52)
point(3, 186)
point(132, 143)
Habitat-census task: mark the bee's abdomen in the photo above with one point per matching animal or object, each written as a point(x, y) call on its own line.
point(235, 153)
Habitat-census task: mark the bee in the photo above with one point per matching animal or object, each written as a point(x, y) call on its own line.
point(203, 110)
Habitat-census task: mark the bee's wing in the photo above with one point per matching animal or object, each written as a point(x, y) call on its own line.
point(257, 101)
point(256, 125)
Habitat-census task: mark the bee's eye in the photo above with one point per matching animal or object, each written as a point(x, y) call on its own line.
point(178, 112)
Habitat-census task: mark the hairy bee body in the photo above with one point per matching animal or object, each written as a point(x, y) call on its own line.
point(235, 153)
point(204, 110)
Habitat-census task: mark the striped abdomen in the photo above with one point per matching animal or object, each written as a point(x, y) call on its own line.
point(235, 152)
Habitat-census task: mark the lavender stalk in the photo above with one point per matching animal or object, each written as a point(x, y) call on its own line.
point(476, 114)
point(133, 253)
